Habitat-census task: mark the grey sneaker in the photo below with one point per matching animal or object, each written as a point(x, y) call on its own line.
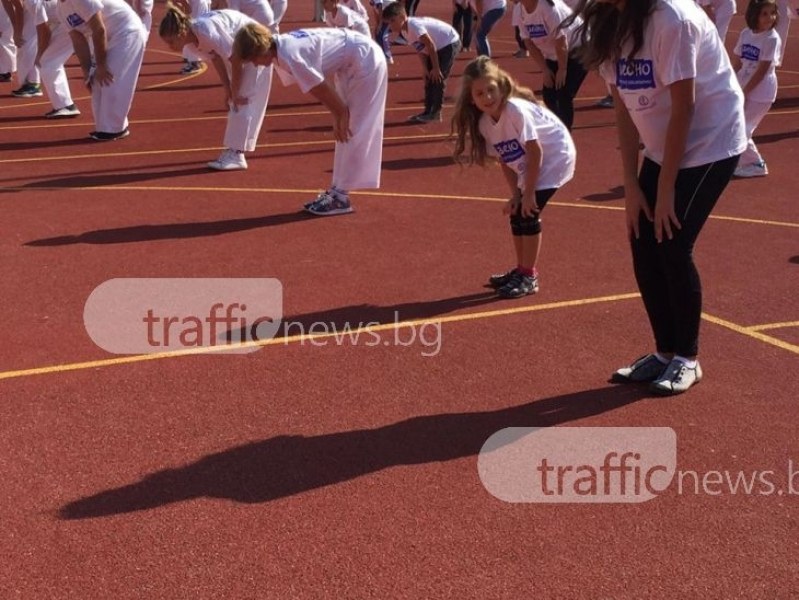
point(676, 379)
point(645, 368)
point(518, 286)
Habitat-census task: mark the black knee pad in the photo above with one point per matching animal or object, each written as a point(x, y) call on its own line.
point(525, 225)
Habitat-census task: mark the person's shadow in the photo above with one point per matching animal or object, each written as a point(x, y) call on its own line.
point(287, 465)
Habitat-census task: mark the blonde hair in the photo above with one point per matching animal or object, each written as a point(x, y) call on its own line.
point(251, 41)
point(466, 120)
point(174, 24)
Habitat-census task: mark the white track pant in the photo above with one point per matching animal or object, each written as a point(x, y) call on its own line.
point(753, 113)
point(783, 25)
point(362, 86)
point(244, 124)
point(8, 51)
point(27, 71)
point(111, 103)
point(54, 76)
point(279, 9)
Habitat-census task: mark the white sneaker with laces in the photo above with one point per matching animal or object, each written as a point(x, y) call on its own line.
point(64, 112)
point(752, 170)
point(229, 160)
point(676, 379)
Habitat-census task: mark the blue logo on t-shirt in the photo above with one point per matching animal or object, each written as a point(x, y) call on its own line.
point(536, 30)
point(750, 52)
point(509, 150)
point(635, 74)
point(74, 20)
point(419, 46)
point(299, 33)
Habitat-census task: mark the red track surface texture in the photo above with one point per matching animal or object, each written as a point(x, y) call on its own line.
point(347, 471)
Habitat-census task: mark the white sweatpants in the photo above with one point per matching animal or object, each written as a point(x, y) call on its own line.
point(8, 51)
point(753, 113)
point(279, 9)
point(362, 86)
point(54, 76)
point(111, 103)
point(724, 15)
point(244, 124)
point(27, 71)
point(784, 10)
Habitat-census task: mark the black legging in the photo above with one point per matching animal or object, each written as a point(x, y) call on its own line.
point(666, 274)
point(434, 91)
point(561, 101)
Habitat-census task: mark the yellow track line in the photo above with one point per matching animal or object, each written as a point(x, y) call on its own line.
point(209, 149)
point(159, 188)
point(766, 326)
point(94, 364)
point(750, 332)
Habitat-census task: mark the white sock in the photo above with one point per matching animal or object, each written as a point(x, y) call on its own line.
point(691, 364)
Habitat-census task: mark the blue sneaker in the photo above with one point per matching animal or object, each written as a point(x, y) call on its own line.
point(329, 204)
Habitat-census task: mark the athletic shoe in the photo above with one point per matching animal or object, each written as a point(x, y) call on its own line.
point(519, 285)
point(5, 77)
point(65, 112)
point(606, 102)
point(758, 169)
point(676, 379)
point(104, 136)
point(229, 160)
point(497, 280)
point(328, 204)
point(645, 368)
point(425, 117)
point(28, 90)
point(190, 67)
point(521, 53)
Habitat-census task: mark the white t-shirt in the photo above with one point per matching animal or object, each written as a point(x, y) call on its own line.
point(118, 17)
point(439, 32)
point(523, 121)
point(727, 6)
point(679, 43)
point(541, 27)
point(348, 19)
point(754, 48)
point(308, 56)
point(216, 31)
point(488, 5)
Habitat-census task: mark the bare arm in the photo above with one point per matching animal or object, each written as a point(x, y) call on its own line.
point(682, 111)
point(328, 96)
point(43, 36)
point(16, 14)
point(534, 157)
point(81, 46)
point(629, 139)
point(99, 41)
point(562, 51)
point(435, 71)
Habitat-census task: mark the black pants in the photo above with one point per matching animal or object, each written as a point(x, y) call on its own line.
point(411, 6)
point(462, 23)
point(561, 101)
point(434, 90)
point(666, 274)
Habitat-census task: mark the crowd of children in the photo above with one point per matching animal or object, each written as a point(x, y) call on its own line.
point(676, 94)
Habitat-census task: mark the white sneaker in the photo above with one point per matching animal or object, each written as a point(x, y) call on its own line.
point(753, 170)
point(229, 160)
point(64, 112)
point(676, 379)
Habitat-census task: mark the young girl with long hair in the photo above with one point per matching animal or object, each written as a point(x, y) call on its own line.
point(495, 118)
point(674, 90)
